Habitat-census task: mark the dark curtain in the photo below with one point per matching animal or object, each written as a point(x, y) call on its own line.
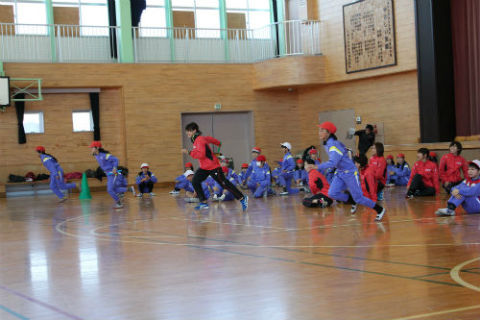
point(112, 21)
point(95, 105)
point(466, 57)
point(137, 7)
point(20, 109)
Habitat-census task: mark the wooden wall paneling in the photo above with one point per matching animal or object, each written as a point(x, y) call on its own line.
point(7, 16)
point(236, 20)
point(184, 19)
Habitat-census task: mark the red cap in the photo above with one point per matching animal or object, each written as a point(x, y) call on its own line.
point(244, 165)
point(225, 169)
point(390, 157)
point(432, 154)
point(312, 151)
point(188, 165)
point(40, 149)
point(327, 125)
point(401, 155)
point(261, 158)
point(96, 144)
point(256, 149)
point(299, 161)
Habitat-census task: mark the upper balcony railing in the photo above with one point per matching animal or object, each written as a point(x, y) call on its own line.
point(90, 44)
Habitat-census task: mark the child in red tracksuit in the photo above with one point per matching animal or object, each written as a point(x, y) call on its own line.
point(378, 168)
point(318, 186)
point(209, 166)
point(424, 177)
point(451, 165)
point(367, 179)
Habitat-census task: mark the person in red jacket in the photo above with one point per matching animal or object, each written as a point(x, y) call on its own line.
point(451, 165)
point(209, 166)
point(318, 186)
point(378, 168)
point(424, 179)
point(367, 179)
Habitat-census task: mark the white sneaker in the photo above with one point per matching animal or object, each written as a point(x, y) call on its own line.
point(152, 194)
point(222, 197)
point(118, 205)
point(354, 208)
point(140, 195)
point(284, 193)
point(380, 215)
point(215, 197)
point(174, 192)
point(132, 189)
point(445, 212)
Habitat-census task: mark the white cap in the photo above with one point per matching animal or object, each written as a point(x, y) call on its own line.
point(476, 162)
point(188, 173)
point(287, 145)
point(144, 165)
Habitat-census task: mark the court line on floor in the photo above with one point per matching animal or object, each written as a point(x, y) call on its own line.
point(455, 275)
point(438, 313)
point(43, 304)
point(13, 313)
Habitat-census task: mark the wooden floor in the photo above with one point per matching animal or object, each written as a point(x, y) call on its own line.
point(161, 260)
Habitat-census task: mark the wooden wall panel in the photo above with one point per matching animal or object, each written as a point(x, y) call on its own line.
point(392, 100)
point(71, 149)
point(6, 16)
point(152, 99)
point(66, 15)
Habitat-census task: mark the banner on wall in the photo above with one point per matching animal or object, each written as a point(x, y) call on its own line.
point(369, 35)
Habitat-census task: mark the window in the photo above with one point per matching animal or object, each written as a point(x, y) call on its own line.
point(207, 15)
point(257, 14)
point(32, 14)
point(153, 22)
point(82, 121)
point(33, 122)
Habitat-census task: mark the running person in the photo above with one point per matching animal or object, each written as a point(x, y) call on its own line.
point(109, 164)
point(209, 166)
point(57, 182)
point(346, 177)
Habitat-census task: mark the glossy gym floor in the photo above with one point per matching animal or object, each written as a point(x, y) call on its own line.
point(159, 259)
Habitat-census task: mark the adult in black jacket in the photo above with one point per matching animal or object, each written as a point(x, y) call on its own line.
point(366, 138)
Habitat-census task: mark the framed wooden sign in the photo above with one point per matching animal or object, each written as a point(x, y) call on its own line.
point(369, 35)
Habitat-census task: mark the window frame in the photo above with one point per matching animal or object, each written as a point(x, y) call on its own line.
point(91, 121)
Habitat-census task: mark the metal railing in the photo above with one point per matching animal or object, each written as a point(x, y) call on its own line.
point(94, 44)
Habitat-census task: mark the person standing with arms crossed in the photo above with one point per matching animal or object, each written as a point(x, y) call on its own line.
point(209, 166)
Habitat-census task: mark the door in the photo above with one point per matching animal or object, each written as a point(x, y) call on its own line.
point(233, 129)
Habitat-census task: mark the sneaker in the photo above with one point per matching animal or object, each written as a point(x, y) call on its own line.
point(215, 197)
point(354, 208)
point(202, 206)
point(380, 196)
point(390, 185)
point(222, 197)
point(244, 203)
point(152, 194)
point(380, 215)
point(324, 204)
point(140, 195)
point(174, 192)
point(62, 200)
point(118, 205)
point(284, 193)
point(444, 212)
point(132, 189)
point(409, 196)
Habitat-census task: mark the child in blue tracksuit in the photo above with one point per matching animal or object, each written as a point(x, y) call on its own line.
point(346, 176)
point(109, 164)
point(57, 182)
point(255, 153)
point(242, 176)
point(300, 175)
point(400, 174)
point(260, 180)
point(287, 173)
point(466, 194)
point(276, 173)
point(145, 180)
point(188, 186)
point(220, 193)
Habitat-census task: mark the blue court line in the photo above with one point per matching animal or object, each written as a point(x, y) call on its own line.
point(13, 313)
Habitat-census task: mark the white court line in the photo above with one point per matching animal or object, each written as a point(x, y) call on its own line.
point(419, 316)
point(455, 275)
point(59, 226)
